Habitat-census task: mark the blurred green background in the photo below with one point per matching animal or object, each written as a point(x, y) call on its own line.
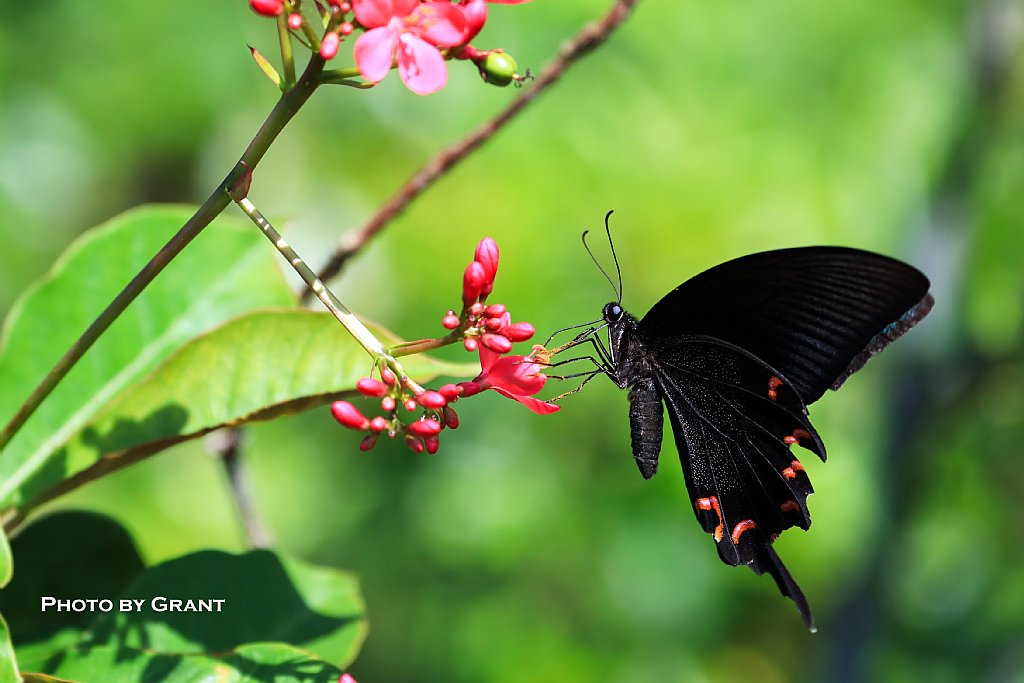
point(529, 549)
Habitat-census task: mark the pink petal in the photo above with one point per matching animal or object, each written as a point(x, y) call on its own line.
point(518, 374)
point(539, 407)
point(475, 12)
point(376, 13)
point(441, 23)
point(508, 2)
point(420, 65)
point(373, 13)
point(487, 359)
point(403, 7)
point(373, 52)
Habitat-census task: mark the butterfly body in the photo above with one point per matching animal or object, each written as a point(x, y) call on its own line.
point(736, 354)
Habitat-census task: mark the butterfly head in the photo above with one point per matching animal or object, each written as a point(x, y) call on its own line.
point(613, 313)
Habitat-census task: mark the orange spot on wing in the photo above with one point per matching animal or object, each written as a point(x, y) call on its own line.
point(711, 503)
point(738, 530)
point(790, 506)
point(802, 434)
point(790, 440)
point(794, 467)
point(773, 384)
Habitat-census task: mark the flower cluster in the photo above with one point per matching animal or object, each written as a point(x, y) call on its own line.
point(417, 35)
point(482, 328)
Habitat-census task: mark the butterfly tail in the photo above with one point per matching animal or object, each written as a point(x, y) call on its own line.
point(767, 560)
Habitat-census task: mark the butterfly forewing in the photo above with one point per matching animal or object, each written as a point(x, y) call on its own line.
point(810, 313)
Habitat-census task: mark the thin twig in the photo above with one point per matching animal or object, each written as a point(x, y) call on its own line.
point(227, 445)
point(589, 37)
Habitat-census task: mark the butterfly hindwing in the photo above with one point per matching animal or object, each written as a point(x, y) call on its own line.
point(745, 436)
point(745, 485)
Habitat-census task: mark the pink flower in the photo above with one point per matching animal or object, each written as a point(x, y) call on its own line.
point(412, 32)
point(516, 377)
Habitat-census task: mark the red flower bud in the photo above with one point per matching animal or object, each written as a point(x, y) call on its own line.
point(487, 256)
point(451, 418)
point(470, 389)
point(414, 444)
point(494, 324)
point(450, 392)
point(388, 404)
point(295, 21)
point(345, 8)
point(371, 387)
point(348, 415)
point(329, 46)
point(432, 400)
point(410, 404)
point(388, 377)
point(519, 332)
point(495, 311)
point(470, 343)
point(426, 427)
point(496, 343)
point(476, 309)
point(346, 28)
point(368, 442)
point(473, 281)
point(432, 443)
point(378, 424)
point(450, 320)
point(268, 8)
point(346, 678)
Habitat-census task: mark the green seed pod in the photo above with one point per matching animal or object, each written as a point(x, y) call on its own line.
point(499, 68)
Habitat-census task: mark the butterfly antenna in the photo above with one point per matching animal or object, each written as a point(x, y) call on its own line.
point(618, 271)
point(603, 271)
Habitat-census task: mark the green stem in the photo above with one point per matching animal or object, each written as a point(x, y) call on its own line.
point(287, 106)
point(339, 75)
point(360, 85)
point(287, 60)
point(354, 325)
point(420, 345)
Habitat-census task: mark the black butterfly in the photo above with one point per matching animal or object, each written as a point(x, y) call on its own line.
point(736, 354)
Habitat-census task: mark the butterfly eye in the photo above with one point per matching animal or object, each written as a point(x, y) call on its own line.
point(613, 313)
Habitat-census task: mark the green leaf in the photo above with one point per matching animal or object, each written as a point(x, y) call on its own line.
point(258, 663)
point(267, 597)
point(228, 270)
point(8, 664)
point(266, 364)
point(6, 562)
point(66, 555)
point(266, 67)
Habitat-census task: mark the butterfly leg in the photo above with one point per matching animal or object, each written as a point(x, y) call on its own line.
point(589, 376)
point(601, 362)
point(578, 337)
